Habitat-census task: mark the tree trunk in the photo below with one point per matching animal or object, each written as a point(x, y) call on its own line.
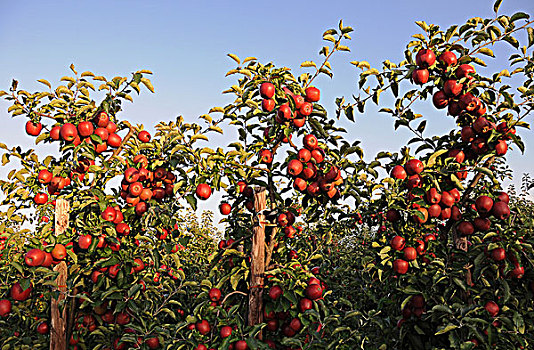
point(58, 339)
point(257, 266)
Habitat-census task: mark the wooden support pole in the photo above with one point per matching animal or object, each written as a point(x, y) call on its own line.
point(257, 266)
point(58, 338)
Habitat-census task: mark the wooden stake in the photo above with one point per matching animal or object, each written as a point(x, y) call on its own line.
point(58, 339)
point(257, 266)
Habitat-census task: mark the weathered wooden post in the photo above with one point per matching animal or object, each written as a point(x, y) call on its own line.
point(257, 266)
point(58, 339)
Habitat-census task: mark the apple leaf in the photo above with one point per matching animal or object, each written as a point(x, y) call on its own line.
point(496, 5)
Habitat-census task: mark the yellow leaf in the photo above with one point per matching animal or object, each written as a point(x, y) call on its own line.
point(199, 136)
point(145, 71)
point(249, 59)
point(234, 57)
point(43, 81)
point(216, 128)
point(308, 64)
point(216, 109)
point(72, 68)
point(87, 74)
point(148, 84)
point(71, 79)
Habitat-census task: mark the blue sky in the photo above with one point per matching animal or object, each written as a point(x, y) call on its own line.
point(185, 45)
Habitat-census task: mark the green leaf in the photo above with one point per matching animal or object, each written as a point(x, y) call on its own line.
point(446, 329)
point(497, 5)
point(519, 15)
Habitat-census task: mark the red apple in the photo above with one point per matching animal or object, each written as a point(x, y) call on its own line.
point(68, 132)
point(425, 58)
point(312, 94)
point(400, 266)
point(203, 191)
point(447, 58)
point(85, 129)
point(267, 90)
point(420, 76)
point(33, 129)
point(144, 136)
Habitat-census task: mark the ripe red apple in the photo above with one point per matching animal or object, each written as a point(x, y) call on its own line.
point(501, 210)
point(214, 294)
point(318, 155)
point(400, 266)
point(503, 197)
point(483, 204)
point(410, 253)
point(294, 167)
point(310, 142)
point(440, 99)
point(40, 198)
point(265, 156)
point(492, 308)
point(414, 166)
point(306, 109)
point(54, 132)
point(109, 214)
point(304, 155)
point(482, 224)
point(34, 257)
point(226, 331)
point(33, 129)
point(18, 293)
point(498, 254)
point(5, 307)
point(425, 58)
point(114, 140)
point(414, 181)
point(152, 343)
point(465, 228)
point(501, 148)
point(464, 70)
point(446, 199)
point(240, 345)
point(458, 155)
point(42, 328)
point(433, 196)
point(313, 291)
point(135, 188)
point(44, 176)
point(267, 90)
point(68, 132)
point(102, 133)
point(518, 272)
point(467, 134)
point(420, 76)
point(284, 113)
point(59, 252)
point(203, 191)
point(102, 119)
point(305, 304)
point(275, 292)
point(84, 241)
point(424, 218)
point(203, 327)
point(143, 136)
point(398, 172)
point(225, 208)
point(300, 184)
point(447, 58)
point(85, 129)
point(141, 208)
point(397, 243)
point(312, 94)
point(452, 88)
point(468, 102)
point(138, 265)
point(268, 105)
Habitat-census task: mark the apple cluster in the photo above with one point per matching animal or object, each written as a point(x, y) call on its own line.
point(139, 185)
point(283, 321)
point(415, 307)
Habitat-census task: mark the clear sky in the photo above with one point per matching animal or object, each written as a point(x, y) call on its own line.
point(185, 45)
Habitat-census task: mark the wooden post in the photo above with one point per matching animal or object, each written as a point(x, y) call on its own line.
point(257, 266)
point(58, 338)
